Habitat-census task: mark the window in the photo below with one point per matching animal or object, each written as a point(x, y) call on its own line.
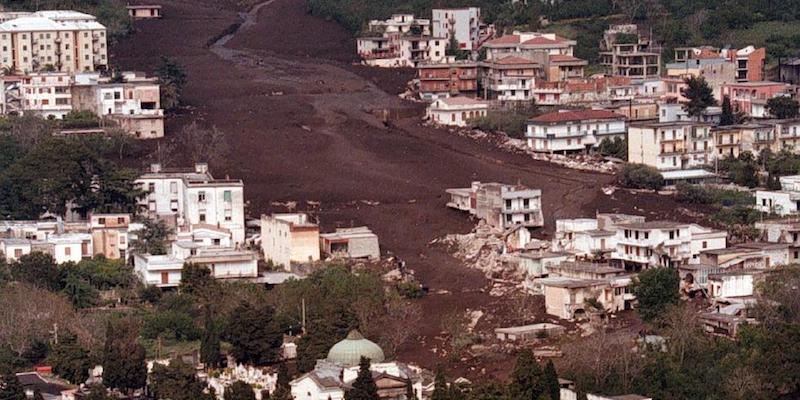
point(101, 221)
point(67, 251)
point(672, 235)
point(173, 205)
point(227, 196)
point(228, 215)
point(120, 220)
point(151, 187)
point(525, 203)
point(173, 187)
point(18, 253)
point(705, 244)
point(201, 196)
point(202, 218)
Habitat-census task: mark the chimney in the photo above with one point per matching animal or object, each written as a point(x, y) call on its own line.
point(155, 168)
point(201, 168)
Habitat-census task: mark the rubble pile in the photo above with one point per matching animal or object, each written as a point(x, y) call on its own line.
point(483, 251)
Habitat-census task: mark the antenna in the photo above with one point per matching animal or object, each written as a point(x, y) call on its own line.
point(303, 304)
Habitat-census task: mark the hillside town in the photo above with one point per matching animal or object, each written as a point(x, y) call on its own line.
point(463, 204)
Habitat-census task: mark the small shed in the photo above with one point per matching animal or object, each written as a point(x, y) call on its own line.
point(529, 332)
point(357, 242)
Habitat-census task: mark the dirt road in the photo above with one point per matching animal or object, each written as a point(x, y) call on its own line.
point(301, 120)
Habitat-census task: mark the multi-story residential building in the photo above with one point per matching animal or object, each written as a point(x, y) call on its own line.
point(751, 97)
point(673, 112)
point(66, 41)
point(787, 132)
point(64, 247)
point(789, 70)
point(463, 23)
point(743, 65)
point(670, 145)
point(224, 263)
point(749, 63)
point(783, 231)
point(511, 78)
point(561, 67)
point(193, 196)
point(46, 94)
point(566, 297)
point(663, 243)
point(631, 60)
point(289, 238)
point(733, 140)
point(401, 41)
point(134, 103)
point(716, 71)
point(437, 80)
point(456, 111)
point(502, 206)
point(785, 201)
point(110, 234)
point(590, 237)
point(531, 45)
point(567, 130)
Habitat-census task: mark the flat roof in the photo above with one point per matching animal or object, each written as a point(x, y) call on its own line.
point(687, 174)
point(654, 225)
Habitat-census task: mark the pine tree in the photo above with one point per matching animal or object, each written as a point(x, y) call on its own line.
point(727, 117)
point(254, 336)
point(527, 378)
point(364, 387)
point(11, 388)
point(282, 388)
point(551, 381)
point(69, 360)
point(210, 353)
point(699, 95)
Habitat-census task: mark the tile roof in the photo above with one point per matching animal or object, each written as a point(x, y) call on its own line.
point(507, 39)
point(576, 115)
point(565, 58)
point(541, 40)
point(461, 101)
point(514, 60)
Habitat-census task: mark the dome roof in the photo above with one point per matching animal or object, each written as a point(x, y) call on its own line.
point(349, 351)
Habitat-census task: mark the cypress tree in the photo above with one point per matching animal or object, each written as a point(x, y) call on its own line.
point(527, 378)
point(440, 391)
point(551, 381)
point(11, 388)
point(727, 117)
point(364, 387)
point(210, 353)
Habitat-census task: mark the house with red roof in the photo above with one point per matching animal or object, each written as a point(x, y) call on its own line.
point(400, 41)
point(456, 111)
point(561, 67)
point(566, 131)
point(510, 78)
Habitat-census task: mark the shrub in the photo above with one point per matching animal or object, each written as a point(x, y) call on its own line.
point(693, 194)
point(614, 148)
point(640, 176)
point(410, 290)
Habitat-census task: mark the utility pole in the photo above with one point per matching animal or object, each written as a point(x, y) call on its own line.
point(55, 333)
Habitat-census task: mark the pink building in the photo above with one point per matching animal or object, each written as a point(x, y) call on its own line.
point(751, 97)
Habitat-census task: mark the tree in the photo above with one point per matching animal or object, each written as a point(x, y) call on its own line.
point(656, 289)
point(527, 378)
point(204, 144)
point(98, 392)
point(79, 292)
point(364, 387)
point(617, 147)
point(283, 390)
point(700, 96)
point(177, 381)
point(70, 360)
point(38, 269)
point(37, 394)
point(151, 239)
point(254, 336)
point(11, 388)
point(783, 107)
point(440, 389)
point(410, 395)
point(172, 78)
point(552, 387)
point(123, 357)
point(640, 176)
point(195, 278)
point(727, 117)
point(239, 391)
point(210, 353)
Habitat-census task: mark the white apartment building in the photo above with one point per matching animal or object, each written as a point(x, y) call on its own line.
point(510, 78)
point(134, 103)
point(671, 146)
point(456, 111)
point(192, 197)
point(400, 41)
point(46, 94)
point(521, 206)
point(664, 243)
point(502, 206)
point(224, 263)
point(64, 247)
point(463, 23)
point(65, 41)
point(782, 231)
point(531, 45)
point(782, 202)
point(289, 238)
point(590, 237)
point(568, 130)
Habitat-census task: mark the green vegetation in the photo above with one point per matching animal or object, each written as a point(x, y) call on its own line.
point(123, 357)
point(151, 239)
point(70, 360)
point(640, 176)
point(110, 13)
point(741, 170)
point(512, 121)
point(656, 289)
point(177, 381)
point(700, 96)
point(614, 148)
point(172, 78)
point(239, 391)
point(783, 107)
point(364, 387)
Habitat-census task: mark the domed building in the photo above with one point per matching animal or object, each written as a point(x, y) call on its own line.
point(349, 351)
point(331, 377)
